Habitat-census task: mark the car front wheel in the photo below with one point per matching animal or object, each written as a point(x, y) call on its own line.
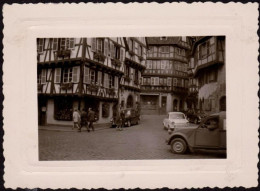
point(178, 146)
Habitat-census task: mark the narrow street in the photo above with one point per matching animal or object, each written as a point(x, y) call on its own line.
point(143, 141)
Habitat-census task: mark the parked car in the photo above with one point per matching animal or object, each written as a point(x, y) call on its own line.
point(195, 117)
point(210, 134)
point(174, 119)
point(131, 117)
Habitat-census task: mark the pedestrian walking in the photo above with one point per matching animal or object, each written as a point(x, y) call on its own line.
point(120, 119)
point(76, 119)
point(84, 120)
point(91, 119)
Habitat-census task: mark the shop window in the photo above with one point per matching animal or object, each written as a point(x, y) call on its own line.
point(63, 109)
point(105, 110)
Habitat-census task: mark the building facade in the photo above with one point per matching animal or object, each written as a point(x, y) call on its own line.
point(165, 80)
point(78, 73)
point(134, 65)
point(207, 74)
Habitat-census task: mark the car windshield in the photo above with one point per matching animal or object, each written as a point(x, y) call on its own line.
point(176, 116)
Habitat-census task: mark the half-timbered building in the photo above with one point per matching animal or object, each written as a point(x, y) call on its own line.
point(207, 69)
point(165, 80)
point(135, 59)
point(78, 73)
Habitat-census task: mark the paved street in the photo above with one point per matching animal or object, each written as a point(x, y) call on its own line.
point(143, 141)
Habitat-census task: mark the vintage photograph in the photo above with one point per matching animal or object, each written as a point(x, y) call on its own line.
point(131, 98)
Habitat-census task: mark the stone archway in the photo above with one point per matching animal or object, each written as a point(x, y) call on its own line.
point(130, 102)
point(222, 103)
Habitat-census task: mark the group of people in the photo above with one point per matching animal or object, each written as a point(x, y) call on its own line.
point(83, 119)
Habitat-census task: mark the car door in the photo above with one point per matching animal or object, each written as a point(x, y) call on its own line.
point(208, 133)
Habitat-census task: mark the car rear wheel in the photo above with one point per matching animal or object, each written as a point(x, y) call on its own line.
point(178, 146)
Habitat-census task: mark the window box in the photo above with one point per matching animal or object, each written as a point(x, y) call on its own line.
point(40, 87)
point(127, 79)
point(111, 91)
point(63, 53)
point(93, 88)
point(99, 56)
point(141, 58)
point(116, 62)
point(66, 86)
point(132, 53)
point(136, 82)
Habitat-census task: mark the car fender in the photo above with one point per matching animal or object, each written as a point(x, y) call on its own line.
point(179, 135)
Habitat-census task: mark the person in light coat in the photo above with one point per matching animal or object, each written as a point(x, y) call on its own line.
point(76, 119)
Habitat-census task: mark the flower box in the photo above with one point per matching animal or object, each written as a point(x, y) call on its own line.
point(63, 53)
point(66, 86)
point(99, 56)
point(127, 79)
point(141, 58)
point(116, 62)
point(93, 88)
point(111, 91)
point(136, 82)
point(131, 53)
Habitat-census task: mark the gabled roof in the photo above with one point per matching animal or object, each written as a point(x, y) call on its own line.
point(159, 41)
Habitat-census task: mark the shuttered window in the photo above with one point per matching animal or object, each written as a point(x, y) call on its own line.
point(86, 78)
point(71, 43)
point(99, 79)
point(169, 81)
point(121, 54)
point(40, 45)
point(63, 44)
point(43, 76)
point(105, 48)
point(112, 50)
point(174, 81)
point(57, 75)
point(55, 44)
point(75, 75)
point(93, 44)
point(67, 75)
point(116, 82)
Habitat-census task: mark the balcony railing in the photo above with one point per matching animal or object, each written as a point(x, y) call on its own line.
point(170, 55)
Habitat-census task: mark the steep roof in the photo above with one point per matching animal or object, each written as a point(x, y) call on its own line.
point(160, 41)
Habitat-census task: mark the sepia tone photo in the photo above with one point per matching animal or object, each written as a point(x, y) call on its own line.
point(131, 98)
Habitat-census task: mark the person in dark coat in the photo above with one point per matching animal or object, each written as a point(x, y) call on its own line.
point(91, 119)
point(120, 119)
point(84, 120)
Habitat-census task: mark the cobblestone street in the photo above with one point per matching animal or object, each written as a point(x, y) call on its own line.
point(143, 141)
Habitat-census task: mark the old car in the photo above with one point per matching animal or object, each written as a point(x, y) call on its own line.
point(174, 119)
point(195, 117)
point(210, 134)
point(131, 117)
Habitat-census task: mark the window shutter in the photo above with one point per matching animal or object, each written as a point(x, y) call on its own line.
point(112, 50)
point(43, 76)
point(75, 75)
point(99, 77)
point(86, 75)
point(121, 54)
point(105, 48)
point(116, 82)
point(57, 75)
point(40, 45)
point(169, 82)
point(55, 44)
point(105, 80)
point(141, 80)
point(71, 43)
point(93, 44)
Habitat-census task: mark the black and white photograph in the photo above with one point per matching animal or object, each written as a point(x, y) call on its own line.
point(131, 98)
